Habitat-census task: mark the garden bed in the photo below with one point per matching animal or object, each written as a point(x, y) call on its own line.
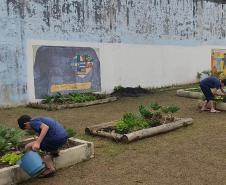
point(190, 93)
point(108, 130)
point(80, 151)
point(150, 120)
point(53, 106)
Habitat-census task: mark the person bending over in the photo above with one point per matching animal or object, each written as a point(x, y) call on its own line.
point(51, 136)
point(206, 85)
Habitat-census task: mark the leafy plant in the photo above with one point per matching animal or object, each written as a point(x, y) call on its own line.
point(70, 132)
point(71, 98)
point(9, 137)
point(155, 106)
point(145, 112)
point(130, 122)
point(170, 110)
point(11, 158)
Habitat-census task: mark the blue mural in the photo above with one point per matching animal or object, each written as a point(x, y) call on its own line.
point(65, 70)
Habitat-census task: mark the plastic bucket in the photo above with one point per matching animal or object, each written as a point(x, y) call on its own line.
point(31, 163)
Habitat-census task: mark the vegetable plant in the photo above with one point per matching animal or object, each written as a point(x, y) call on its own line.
point(11, 158)
point(130, 122)
point(10, 137)
point(72, 98)
point(150, 116)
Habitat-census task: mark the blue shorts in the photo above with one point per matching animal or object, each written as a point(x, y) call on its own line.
point(207, 92)
point(51, 145)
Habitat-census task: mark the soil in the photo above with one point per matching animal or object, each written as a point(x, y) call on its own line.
point(131, 92)
point(195, 155)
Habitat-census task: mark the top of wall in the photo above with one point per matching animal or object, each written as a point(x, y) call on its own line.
point(180, 22)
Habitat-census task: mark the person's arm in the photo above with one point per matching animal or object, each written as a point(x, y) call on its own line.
point(44, 129)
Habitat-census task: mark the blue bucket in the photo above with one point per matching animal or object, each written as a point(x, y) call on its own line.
point(31, 163)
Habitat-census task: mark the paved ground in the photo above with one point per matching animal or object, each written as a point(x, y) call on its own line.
point(195, 155)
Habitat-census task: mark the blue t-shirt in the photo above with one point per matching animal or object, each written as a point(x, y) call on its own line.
point(56, 130)
point(211, 82)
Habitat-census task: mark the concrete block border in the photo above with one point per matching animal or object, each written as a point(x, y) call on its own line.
point(51, 107)
point(68, 157)
point(189, 94)
point(100, 130)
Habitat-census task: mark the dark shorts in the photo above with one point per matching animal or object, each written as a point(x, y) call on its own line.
point(51, 145)
point(207, 92)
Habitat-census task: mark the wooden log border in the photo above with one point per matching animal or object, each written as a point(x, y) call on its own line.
point(96, 130)
point(189, 94)
point(52, 107)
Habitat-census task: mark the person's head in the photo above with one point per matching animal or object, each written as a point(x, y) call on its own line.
point(24, 122)
point(223, 82)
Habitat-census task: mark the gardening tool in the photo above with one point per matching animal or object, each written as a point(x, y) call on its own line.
point(31, 163)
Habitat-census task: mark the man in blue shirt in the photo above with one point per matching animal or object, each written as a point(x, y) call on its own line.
point(206, 85)
point(51, 136)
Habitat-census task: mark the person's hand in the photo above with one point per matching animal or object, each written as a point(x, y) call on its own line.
point(36, 146)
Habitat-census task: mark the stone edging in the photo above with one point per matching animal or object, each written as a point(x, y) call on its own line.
point(127, 138)
point(68, 157)
point(189, 94)
point(73, 105)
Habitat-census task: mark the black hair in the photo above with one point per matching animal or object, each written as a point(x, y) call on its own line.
point(22, 120)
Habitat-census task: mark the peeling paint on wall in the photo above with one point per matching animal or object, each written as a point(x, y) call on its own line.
point(143, 22)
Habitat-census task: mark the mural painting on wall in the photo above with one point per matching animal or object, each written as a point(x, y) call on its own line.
point(218, 62)
point(65, 70)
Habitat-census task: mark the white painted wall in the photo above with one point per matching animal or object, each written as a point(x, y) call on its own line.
point(133, 64)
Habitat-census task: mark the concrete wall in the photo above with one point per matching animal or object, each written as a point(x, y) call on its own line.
point(148, 43)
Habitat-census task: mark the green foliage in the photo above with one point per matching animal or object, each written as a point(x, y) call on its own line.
point(145, 112)
point(121, 127)
point(71, 98)
point(146, 118)
point(220, 98)
point(155, 106)
point(70, 132)
point(130, 122)
point(9, 137)
point(173, 109)
point(11, 158)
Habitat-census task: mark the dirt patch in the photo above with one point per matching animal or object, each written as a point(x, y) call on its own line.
point(130, 91)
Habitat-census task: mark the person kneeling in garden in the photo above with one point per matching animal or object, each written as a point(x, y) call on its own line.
point(51, 136)
point(206, 85)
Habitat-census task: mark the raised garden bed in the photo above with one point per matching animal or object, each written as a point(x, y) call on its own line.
point(58, 106)
point(149, 121)
point(78, 151)
point(108, 130)
point(190, 93)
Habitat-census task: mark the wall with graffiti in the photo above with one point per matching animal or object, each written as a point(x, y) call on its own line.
point(154, 23)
